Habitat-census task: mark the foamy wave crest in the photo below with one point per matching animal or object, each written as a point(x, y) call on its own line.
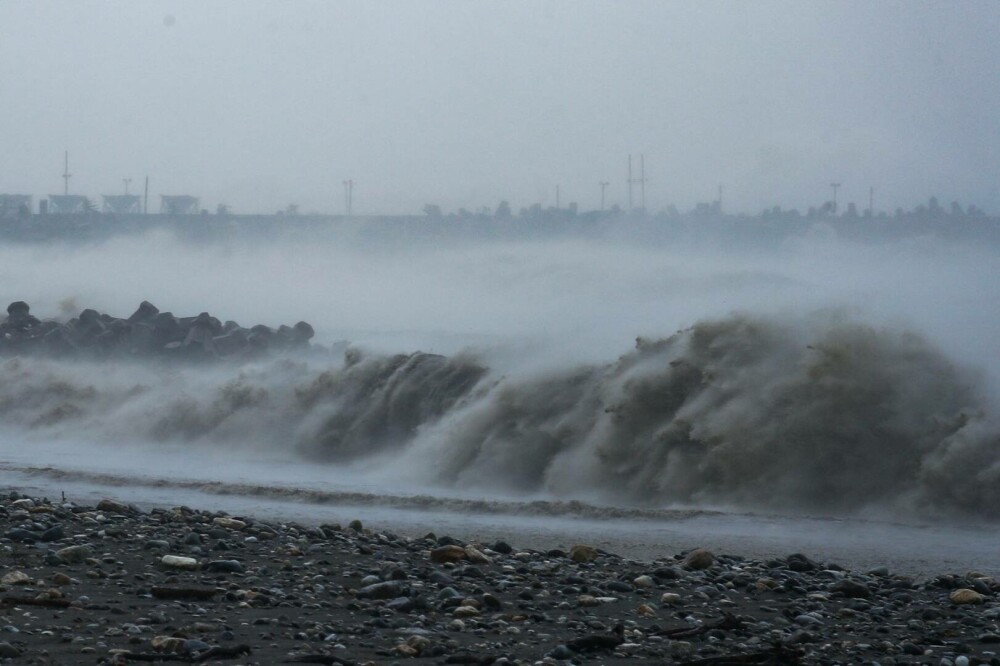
point(810, 416)
point(817, 414)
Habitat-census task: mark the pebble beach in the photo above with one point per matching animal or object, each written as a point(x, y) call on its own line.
point(113, 584)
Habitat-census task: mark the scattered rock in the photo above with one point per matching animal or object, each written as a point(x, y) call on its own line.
point(699, 559)
point(229, 523)
point(582, 553)
point(449, 553)
point(111, 506)
point(851, 589)
point(16, 578)
point(74, 554)
point(964, 595)
point(180, 562)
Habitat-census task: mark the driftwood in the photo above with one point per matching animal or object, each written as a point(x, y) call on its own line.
point(778, 655)
point(318, 659)
point(598, 641)
point(729, 622)
point(470, 659)
point(216, 652)
point(31, 601)
point(184, 593)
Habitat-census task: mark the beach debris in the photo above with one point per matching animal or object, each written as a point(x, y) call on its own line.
point(184, 593)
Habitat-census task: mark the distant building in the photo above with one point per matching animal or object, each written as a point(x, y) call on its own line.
point(122, 204)
point(14, 205)
point(68, 204)
point(178, 204)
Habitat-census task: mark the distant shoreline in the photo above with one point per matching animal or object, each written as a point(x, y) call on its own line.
point(739, 230)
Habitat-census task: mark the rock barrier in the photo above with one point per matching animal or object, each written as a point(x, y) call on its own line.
point(148, 332)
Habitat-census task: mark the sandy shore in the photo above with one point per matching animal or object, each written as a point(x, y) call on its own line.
point(112, 584)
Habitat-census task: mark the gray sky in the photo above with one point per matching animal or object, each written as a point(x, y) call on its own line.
point(466, 103)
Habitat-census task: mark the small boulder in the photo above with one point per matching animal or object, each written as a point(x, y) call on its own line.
point(581, 553)
point(74, 554)
point(387, 590)
point(229, 523)
point(699, 559)
point(8, 651)
point(16, 578)
point(449, 553)
point(180, 562)
point(851, 589)
point(476, 556)
point(111, 506)
point(964, 596)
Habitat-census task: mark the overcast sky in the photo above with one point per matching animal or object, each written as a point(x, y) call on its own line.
point(462, 103)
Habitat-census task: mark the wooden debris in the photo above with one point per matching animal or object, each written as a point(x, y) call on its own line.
point(184, 593)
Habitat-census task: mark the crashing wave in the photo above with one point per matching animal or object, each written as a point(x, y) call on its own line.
point(820, 414)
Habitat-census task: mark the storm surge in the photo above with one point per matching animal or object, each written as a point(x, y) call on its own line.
point(808, 414)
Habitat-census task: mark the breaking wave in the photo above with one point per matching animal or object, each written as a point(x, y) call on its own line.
point(814, 414)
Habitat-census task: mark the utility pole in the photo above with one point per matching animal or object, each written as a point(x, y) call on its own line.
point(126, 181)
point(604, 184)
point(871, 202)
point(642, 180)
point(66, 174)
point(630, 183)
point(349, 196)
point(835, 187)
point(145, 198)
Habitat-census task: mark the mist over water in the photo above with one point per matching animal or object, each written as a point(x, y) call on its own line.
point(807, 376)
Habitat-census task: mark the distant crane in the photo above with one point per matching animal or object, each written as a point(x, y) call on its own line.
point(604, 185)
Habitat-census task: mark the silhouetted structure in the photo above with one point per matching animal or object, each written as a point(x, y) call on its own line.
point(122, 204)
point(14, 205)
point(178, 204)
point(68, 204)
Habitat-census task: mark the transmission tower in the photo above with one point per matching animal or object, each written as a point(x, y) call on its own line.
point(641, 181)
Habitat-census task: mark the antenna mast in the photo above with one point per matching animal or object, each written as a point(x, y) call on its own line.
point(66, 174)
point(642, 180)
point(630, 181)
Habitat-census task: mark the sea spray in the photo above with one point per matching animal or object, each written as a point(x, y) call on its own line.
point(817, 413)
